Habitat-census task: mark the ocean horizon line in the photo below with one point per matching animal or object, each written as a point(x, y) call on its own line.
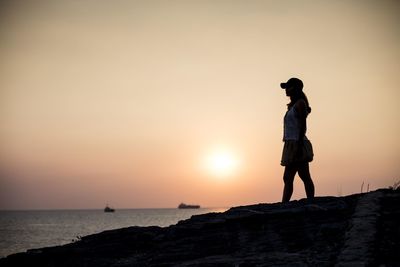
point(101, 209)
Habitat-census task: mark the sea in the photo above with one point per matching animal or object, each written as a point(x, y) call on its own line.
point(24, 230)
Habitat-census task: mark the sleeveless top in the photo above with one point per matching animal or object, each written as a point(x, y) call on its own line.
point(291, 129)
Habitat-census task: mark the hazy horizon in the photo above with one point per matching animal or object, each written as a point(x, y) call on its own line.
point(147, 104)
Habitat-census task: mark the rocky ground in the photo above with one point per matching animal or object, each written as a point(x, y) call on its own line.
point(356, 230)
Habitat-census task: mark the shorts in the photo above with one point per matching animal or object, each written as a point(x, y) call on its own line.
point(292, 155)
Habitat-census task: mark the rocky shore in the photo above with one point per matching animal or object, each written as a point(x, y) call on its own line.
point(356, 230)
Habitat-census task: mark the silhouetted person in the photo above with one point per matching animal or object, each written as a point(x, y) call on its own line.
point(297, 150)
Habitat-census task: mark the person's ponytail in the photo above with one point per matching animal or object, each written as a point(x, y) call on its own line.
point(299, 95)
point(303, 96)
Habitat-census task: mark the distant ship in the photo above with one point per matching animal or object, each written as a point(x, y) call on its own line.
point(108, 209)
point(185, 206)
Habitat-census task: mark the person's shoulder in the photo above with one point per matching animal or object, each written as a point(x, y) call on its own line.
point(300, 105)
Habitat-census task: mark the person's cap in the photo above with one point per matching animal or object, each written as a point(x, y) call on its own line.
point(292, 82)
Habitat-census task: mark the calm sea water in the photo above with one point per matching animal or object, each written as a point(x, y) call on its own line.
point(23, 230)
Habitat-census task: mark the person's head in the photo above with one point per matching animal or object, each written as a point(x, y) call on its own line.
point(293, 86)
point(294, 89)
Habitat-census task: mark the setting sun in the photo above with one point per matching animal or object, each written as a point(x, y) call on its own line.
point(222, 163)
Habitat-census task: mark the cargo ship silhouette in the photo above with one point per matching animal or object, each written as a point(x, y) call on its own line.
point(108, 209)
point(186, 206)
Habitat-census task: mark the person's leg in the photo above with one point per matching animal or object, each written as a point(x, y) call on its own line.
point(304, 173)
point(288, 177)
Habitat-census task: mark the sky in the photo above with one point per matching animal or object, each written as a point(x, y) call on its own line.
point(146, 104)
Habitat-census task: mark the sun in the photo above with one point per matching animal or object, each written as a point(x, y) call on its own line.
point(222, 163)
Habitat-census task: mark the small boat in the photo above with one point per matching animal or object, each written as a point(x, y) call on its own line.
point(108, 209)
point(185, 206)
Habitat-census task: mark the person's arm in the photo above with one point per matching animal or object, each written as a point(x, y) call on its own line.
point(301, 109)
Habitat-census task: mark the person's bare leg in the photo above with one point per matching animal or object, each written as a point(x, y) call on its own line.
point(304, 173)
point(288, 178)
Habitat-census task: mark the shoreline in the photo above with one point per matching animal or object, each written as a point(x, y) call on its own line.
point(360, 229)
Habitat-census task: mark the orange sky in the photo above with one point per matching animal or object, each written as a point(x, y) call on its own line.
point(122, 102)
